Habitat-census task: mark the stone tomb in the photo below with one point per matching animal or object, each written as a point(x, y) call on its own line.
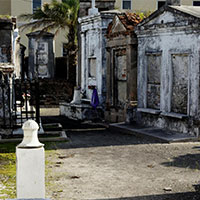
point(6, 34)
point(168, 69)
point(6, 69)
point(121, 66)
point(41, 55)
point(93, 53)
point(92, 71)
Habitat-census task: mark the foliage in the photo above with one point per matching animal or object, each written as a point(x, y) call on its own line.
point(7, 175)
point(144, 14)
point(5, 17)
point(56, 16)
point(53, 16)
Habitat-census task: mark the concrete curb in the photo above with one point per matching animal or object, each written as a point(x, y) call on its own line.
point(62, 138)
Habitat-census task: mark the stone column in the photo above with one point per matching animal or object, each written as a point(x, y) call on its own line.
point(30, 164)
point(83, 61)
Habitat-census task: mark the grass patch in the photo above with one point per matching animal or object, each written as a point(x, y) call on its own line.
point(8, 147)
point(7, 175)
point(8, 167)
point(7, 171)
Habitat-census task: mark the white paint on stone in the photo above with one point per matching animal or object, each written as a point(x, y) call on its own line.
point(30, 139)
point(93, 10)
point(172, 36)
point(30, 164)
point(30, 173)
point(80, 111)
point(93, 54)
point(76, 97)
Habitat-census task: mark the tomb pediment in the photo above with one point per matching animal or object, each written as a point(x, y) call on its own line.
point(124, 23)
point(117, 26)
point(176, 15)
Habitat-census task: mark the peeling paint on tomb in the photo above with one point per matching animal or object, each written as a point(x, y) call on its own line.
point(168, 69)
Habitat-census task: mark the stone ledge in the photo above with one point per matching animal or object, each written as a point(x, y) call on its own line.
point(174, 115)
point(29, 199)
point(157, 134)
point(78, 105)
point(62, 138)
point(149, 110)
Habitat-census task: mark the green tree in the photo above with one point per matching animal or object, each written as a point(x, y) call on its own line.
point(56, 16)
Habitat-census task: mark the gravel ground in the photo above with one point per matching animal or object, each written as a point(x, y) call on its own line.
point(113, 166)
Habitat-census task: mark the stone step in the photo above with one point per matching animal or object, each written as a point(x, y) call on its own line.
point(161, 135)
point(28, 199)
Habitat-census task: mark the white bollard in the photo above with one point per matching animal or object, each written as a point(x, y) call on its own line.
point(30, 164)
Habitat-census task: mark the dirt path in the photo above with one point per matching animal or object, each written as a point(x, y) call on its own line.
point(112, 166)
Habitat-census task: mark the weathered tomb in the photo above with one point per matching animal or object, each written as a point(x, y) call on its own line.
point(41, 55)
point(6, 68)
point(93, 54)
point(121, 66)
point(6, 34)
point(92, 71)
point(168, 69)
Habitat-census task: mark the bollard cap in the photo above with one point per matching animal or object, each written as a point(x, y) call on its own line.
point(30, 125)
point(30, 139)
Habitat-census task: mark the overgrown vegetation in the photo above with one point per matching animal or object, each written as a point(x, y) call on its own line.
point(144, 14)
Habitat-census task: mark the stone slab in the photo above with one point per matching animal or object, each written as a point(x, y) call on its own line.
point(80, 111)
point(28, 199)
point(161, 135)
point(61, 138)
point(149, 110)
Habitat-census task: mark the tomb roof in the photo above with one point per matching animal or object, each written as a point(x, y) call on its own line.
point(189, 12)
point(123, 24)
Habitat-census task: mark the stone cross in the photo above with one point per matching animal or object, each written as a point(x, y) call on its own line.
point(93, 10)
point(93, 3)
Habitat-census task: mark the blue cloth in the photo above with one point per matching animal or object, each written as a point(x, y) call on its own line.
point(95, 99)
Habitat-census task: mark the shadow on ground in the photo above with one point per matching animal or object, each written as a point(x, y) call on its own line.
point(69, 123)
point(191, 161)
point(94, 138)
point(176, 196)
point(99, 139)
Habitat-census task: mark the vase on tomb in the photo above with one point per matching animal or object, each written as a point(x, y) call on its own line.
point(77, 96)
